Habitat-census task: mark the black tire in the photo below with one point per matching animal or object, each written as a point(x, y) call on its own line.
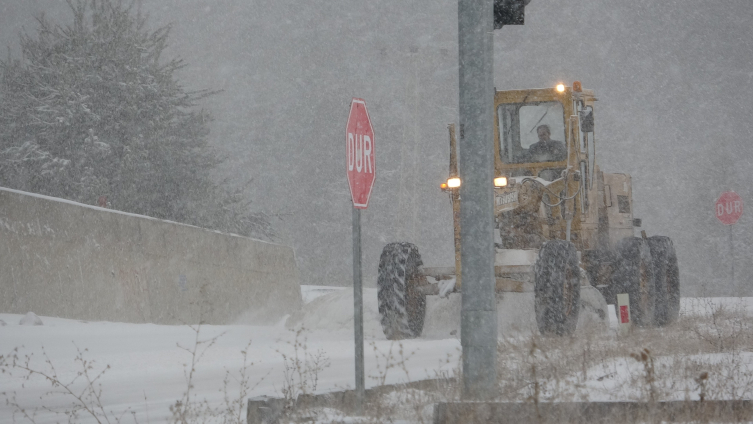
point(635, 276)
point(667, 280)
point(557, 288)
point(401, 307)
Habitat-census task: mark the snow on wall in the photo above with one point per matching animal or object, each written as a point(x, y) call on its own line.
point(61, 258)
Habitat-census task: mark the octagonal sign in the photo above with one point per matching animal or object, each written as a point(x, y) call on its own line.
point(729, 208)
point(359, 151)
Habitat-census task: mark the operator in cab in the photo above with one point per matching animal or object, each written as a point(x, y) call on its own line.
point(546, 149)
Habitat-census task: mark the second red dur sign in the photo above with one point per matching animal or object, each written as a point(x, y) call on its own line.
point(729, 208)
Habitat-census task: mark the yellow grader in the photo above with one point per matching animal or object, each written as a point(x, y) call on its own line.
point(563, 224)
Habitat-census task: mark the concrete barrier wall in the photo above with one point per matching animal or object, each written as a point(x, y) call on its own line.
point(65, 259)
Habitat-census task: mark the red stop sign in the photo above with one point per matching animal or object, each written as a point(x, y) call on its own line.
point(729, 208)
point(359, 152)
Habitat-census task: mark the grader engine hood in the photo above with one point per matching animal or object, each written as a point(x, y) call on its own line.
point(522, 194)
point(517, 209)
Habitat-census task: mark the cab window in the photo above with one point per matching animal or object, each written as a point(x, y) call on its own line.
point(532, 132)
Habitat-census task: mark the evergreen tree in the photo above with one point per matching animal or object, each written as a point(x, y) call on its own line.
point(92, 110)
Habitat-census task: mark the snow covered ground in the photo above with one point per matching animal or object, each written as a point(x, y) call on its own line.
point(146, 373)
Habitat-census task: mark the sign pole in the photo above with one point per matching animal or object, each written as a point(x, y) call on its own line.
point(358, 308)
point(361, 171)
point(732, 256)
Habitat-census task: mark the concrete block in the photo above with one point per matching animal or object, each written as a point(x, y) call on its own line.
point(77, 261)
point(592, 412)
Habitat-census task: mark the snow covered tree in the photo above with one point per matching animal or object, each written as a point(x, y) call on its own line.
point(92, 110)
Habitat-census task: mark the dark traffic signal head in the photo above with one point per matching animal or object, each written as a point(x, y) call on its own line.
point(509, 12)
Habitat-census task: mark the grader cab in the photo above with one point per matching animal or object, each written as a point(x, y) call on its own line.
point(563, 223)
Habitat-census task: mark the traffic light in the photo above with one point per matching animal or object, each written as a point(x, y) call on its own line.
point(509, 12)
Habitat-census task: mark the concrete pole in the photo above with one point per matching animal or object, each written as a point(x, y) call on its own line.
point(479, 309)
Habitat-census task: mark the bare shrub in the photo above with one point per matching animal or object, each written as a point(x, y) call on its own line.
point(543, 369)
point(234, 407)
point(389, 360)
point(83, 390)
point(187, 408)
point(411, 402)
point(301, 370)
point(649, 375)
point(723, 327)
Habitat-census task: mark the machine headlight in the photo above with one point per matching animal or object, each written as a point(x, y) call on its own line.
point(500, 182)
point(453, 182)
point(561, 88)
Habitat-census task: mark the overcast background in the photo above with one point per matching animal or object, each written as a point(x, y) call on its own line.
point(673, 78)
